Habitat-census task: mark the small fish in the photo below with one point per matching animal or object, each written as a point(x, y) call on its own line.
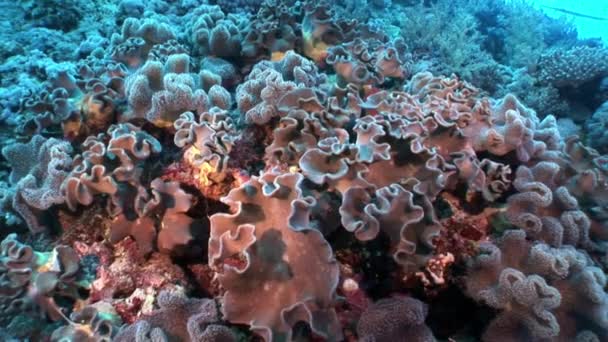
point(575, 13)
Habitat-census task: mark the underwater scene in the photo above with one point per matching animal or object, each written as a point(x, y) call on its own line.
point(311, 170)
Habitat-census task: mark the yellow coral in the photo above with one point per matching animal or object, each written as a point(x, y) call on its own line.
point(314, 48)
point(204, 169)
point(277, 56)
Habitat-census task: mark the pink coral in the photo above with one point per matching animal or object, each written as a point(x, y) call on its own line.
point(270, 232)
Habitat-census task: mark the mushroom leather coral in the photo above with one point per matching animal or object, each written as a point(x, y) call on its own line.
point(270, 238)
point(87, 325)
point(538, 290)
point(38, 170)
point(179, 319)
point(29, 280)
point(395, 319)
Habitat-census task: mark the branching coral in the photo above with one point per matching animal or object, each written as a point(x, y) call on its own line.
point(574, 66)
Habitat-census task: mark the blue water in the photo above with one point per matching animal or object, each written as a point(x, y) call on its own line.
point(587, 28)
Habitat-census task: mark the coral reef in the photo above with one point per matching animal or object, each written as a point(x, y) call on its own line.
point(282, 170)
point(88, 324)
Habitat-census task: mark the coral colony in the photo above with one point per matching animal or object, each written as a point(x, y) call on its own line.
point(305, 170)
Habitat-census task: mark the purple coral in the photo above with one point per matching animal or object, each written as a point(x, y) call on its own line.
point(395, 319)
point(535, 287)
point(178, 318)
point(38, 170)
point(160, 93)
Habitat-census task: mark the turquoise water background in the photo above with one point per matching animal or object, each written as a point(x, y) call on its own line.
point(587, 28)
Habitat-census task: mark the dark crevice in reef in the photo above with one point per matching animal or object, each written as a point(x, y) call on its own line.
point(370, 259)
point(442, 208)
point(200, 211)
point(195, 252)
point(452, 314)
point(508, 159)
point(248, 151)
point(203, 207)
point(584, 99)
point(48, 217)
point(191, 278)
point(474, 203)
